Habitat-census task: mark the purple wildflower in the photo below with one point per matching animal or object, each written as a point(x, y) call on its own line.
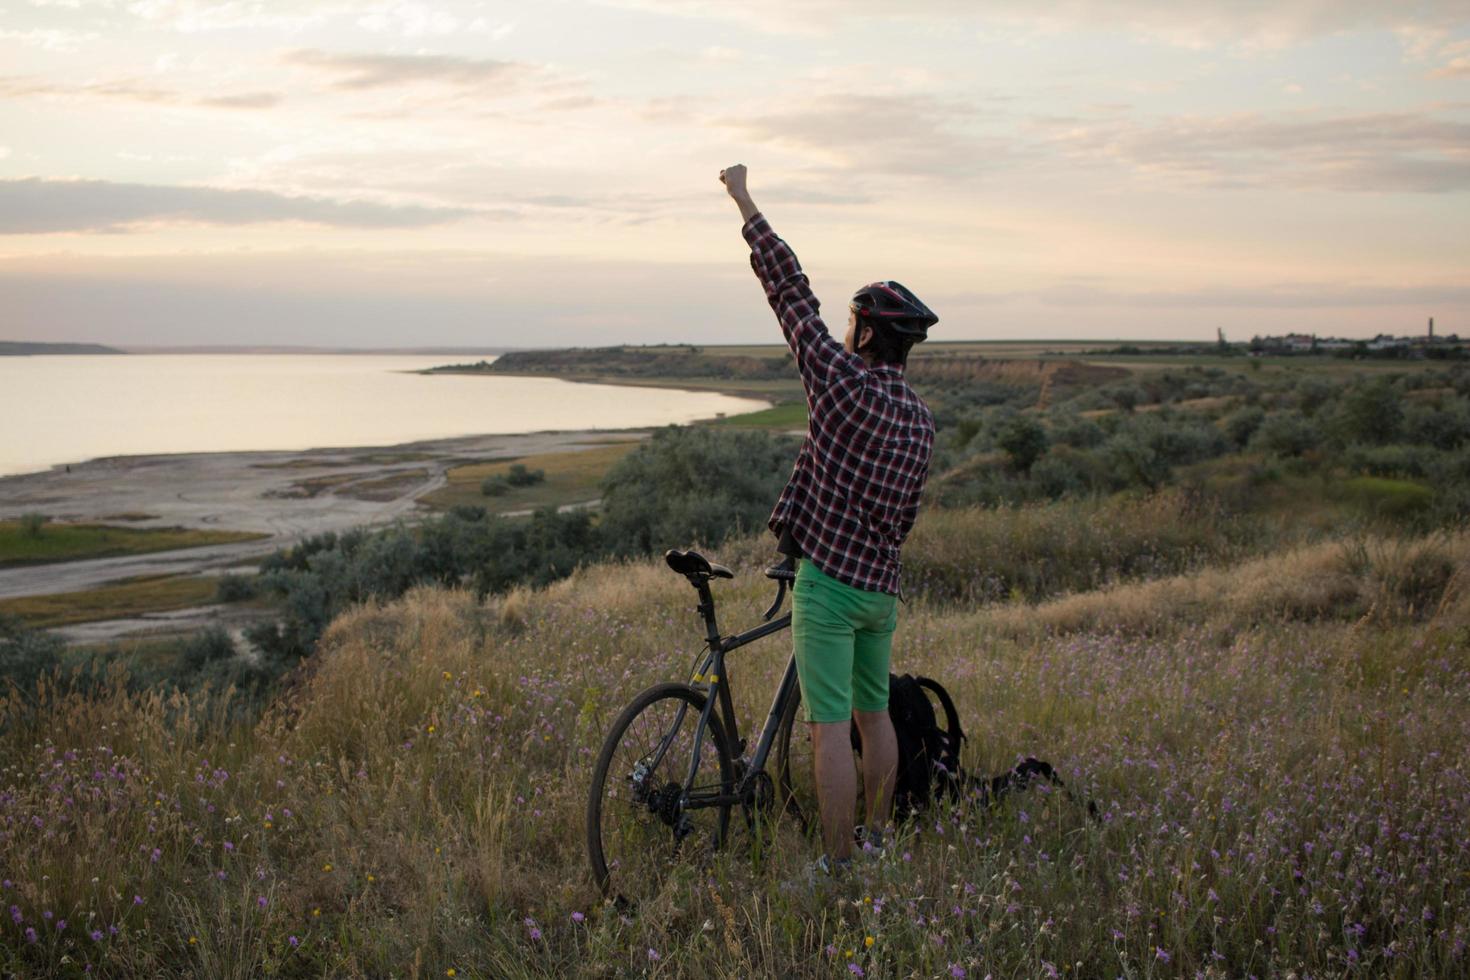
point(96, 935)
point(578, 917)
point(653, 956)
point(31, 934)
point(293, 941)
point(1161, 954)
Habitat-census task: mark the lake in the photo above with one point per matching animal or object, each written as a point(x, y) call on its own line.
point(69, 408)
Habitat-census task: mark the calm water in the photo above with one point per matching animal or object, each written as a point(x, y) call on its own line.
point(64, 409)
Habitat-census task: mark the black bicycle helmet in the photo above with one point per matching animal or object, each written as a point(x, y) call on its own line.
point(892, 303)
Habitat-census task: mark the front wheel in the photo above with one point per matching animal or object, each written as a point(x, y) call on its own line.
point(640, 820)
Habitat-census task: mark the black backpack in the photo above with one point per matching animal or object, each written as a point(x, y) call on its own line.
point(929, 756)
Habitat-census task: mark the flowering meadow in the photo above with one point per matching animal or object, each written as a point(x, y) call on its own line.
point(1278, 746)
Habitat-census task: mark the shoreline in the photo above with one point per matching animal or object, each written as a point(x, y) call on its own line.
point(772, 395)
point(287, 495)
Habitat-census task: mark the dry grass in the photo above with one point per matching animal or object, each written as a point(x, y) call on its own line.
point(1258, 744)
point(133, 597)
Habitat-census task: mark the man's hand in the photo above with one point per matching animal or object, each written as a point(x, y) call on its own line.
point(734, 180)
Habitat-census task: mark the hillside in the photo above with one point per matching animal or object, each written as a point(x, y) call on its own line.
point(14, 348)
point(1276, 738)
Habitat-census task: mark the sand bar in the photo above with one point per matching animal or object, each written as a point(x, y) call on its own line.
point(288, 495)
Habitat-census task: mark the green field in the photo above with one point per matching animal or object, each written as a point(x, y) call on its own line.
point(74, 542)
point(571, 478)
point(123, 600)
point(785, 416)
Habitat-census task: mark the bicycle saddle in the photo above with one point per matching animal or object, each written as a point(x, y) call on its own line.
point(692, 564)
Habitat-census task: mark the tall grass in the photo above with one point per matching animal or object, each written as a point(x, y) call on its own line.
point(1278, 751)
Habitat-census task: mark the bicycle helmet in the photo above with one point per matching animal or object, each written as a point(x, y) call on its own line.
point(892, 303)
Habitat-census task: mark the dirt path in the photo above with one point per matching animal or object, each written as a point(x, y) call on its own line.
point(288, 495)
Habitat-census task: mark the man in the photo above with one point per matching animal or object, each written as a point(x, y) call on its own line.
point(852, 499)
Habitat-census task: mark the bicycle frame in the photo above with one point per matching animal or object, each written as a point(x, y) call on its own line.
point(711, 673)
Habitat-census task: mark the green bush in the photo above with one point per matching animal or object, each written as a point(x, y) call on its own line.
point(1287, 433)
point(235, 588)
point(688, 485)
point(1077, 432)
point(1024, 441)
point(1372, 413)
point(494, 486)
point(31, 524)
point(26, 654)
point(205, 648)
point(1241, 425)
point(1443, 428)
point(519, 476)
point(1390, 461)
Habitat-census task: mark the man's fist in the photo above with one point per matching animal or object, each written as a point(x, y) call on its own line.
point(734, 180)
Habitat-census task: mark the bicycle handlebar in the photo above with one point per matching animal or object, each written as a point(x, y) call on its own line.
point(784, 572)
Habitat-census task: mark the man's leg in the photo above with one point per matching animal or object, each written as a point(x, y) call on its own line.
point(836, 785)
point(872, 653)
point(822, 634)
point(880, 766)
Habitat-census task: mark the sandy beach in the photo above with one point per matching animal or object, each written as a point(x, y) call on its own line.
point(286, 495)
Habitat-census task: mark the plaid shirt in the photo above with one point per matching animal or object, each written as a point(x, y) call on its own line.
point(854, 494)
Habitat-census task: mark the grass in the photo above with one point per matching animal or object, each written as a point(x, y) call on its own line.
point(571, 478)
point(76, 542)
point(785, 416)
point(1282, 781)
point(124, 600)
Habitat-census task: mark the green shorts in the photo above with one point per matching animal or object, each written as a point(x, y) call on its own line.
point(843, 638)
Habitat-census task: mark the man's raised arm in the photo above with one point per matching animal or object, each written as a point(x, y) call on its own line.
point(818, 355)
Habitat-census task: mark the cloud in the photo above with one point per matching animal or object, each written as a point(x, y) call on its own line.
point(36, 206)
point(245, 100)
point(1457, 64)
point(892, 134)
point(1289, 295)
point(1408, 151)
point(1198, 23)
point(129, 89)
point(369, 71)
point(50, 39)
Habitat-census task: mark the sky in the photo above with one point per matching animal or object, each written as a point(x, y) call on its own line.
point(466, 173)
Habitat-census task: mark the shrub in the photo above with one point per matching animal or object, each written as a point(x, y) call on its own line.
point(1442, 428)
point(688, 485)
point(25, 654)
point(494, 486)
point(1077, 432)
point(1024, 441)
point(205, 648)
point(235, 588)
point(519, 476)
point(1397, 460)
point(1287, 433)
point(1126, 397)
point(31, 524)
point(1241, 425)
point(1372, 413)
point(1065, 472)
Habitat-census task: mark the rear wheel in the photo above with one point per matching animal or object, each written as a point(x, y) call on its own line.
point(640, 822)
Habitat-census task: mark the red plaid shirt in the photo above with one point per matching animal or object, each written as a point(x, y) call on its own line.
point(854, 494)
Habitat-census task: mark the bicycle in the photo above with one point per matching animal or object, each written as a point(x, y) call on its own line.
point(673, 767)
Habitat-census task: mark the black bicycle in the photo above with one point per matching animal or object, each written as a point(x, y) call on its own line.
point(673, 765)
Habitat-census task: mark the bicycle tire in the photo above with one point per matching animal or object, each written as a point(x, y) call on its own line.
point(634, 842)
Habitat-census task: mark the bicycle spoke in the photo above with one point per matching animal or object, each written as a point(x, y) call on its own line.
point(639, 825)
